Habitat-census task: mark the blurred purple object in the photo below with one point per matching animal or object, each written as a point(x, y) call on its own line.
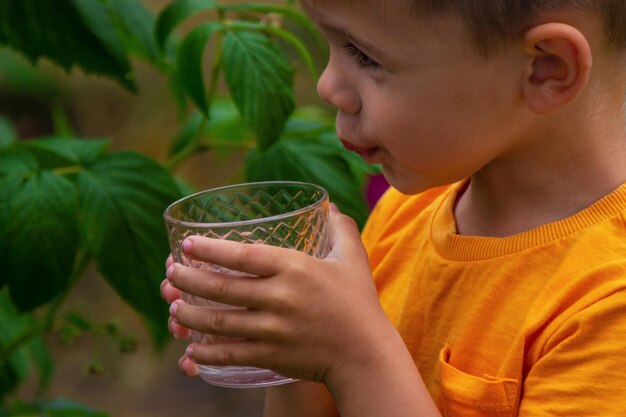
point(376, 186)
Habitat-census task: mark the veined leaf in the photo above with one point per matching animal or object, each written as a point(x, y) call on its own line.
point(15, 165)
point(69, 150)
point(124, 25)
point(43, 237)
point(288, 12)
point(123, 196)
point(260, 80)
point(176, 13)
point(311, 160)
point(57, 30)
point(189, 63)
point(135, 25)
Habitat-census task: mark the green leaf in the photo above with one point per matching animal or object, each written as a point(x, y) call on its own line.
point(69, 150)
point(15, 165)
point(176, 13)
point(311, 160)
point(135, 25)
point(123, 196)
point(259, 79)
point(53, 408)
point(288, 12)
point(32, 351)
point(43, 236)
point(225, 125)
point(124, 25)
point(188, 135)
point(189, 63)
point(8, 134)
point(69, 32)
point(21, 77)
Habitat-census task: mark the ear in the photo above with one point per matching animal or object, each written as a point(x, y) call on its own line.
point(561, 65)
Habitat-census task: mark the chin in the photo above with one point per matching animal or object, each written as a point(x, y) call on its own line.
point(409, 185)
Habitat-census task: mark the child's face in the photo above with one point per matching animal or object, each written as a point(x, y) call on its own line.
point(415, 96)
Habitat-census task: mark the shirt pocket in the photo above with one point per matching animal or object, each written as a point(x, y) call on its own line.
point(466, 395)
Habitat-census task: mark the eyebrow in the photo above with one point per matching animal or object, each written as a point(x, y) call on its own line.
point(355, 39)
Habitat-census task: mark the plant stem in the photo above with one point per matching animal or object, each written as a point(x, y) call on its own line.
point(62, 126)
point(46, 324)
point(73, 169)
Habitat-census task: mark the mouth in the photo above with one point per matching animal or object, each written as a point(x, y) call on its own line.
point(368, 154)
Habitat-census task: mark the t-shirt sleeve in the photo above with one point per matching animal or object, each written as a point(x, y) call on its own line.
point(582, 371)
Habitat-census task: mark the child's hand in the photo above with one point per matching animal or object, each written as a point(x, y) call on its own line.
point(171, 294)
point(307, 318)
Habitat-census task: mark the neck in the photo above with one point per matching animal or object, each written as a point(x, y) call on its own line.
point(548, 182)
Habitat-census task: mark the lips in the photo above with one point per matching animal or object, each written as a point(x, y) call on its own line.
point(367, 154)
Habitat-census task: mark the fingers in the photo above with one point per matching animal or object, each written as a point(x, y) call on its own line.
point(344, 234)
point(239, 354)
point(259, 260)
point(168, 292)
point(244, 291)
point(237, 323)
point(188, 367)
point(169, 261)
point(178, 331)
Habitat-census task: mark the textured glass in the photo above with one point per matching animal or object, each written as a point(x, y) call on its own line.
point(285, 214)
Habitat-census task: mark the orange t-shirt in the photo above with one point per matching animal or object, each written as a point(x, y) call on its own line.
point(528, 325)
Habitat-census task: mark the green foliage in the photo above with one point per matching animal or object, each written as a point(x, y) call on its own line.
point(66, 202)
point(54, 408)
point(72, 199)
point(91, 34)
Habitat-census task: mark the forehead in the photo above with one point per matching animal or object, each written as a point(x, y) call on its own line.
point(383, 8)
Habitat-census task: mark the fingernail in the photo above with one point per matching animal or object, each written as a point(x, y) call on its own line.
point(187, 243)
point(189, 351)
point(169, 273)
point(173, 308)
point(333, 207)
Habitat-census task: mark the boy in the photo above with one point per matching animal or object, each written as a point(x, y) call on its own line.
point(503, 294)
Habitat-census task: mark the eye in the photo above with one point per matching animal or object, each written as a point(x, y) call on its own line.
point(361, 58)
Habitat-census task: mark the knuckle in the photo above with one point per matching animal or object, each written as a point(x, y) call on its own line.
point(244, 254)
point(349, 221)
point(225, 355)
point(215, 321)
point(219, 288)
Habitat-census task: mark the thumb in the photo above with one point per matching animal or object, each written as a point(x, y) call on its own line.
point(344, 234)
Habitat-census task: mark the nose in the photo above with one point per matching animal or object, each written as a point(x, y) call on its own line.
point(335, 88)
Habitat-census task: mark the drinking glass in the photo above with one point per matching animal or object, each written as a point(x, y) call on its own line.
point(286, 214)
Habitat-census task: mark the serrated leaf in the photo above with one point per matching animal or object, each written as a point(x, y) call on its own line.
point(135, 25)
point(175, 13)
point(23, 78)
point(69, 150)
point(56, 29)
point(288, 12)
point(123, 196)
point(259, 79)
point(8, 134)
point(310, 160)
point(189, 63)
point(43, 236)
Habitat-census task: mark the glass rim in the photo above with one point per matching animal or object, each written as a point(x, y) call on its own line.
point(171, 220)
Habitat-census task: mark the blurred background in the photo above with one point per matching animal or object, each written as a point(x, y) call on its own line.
point(132, 378)
point(91, 369)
